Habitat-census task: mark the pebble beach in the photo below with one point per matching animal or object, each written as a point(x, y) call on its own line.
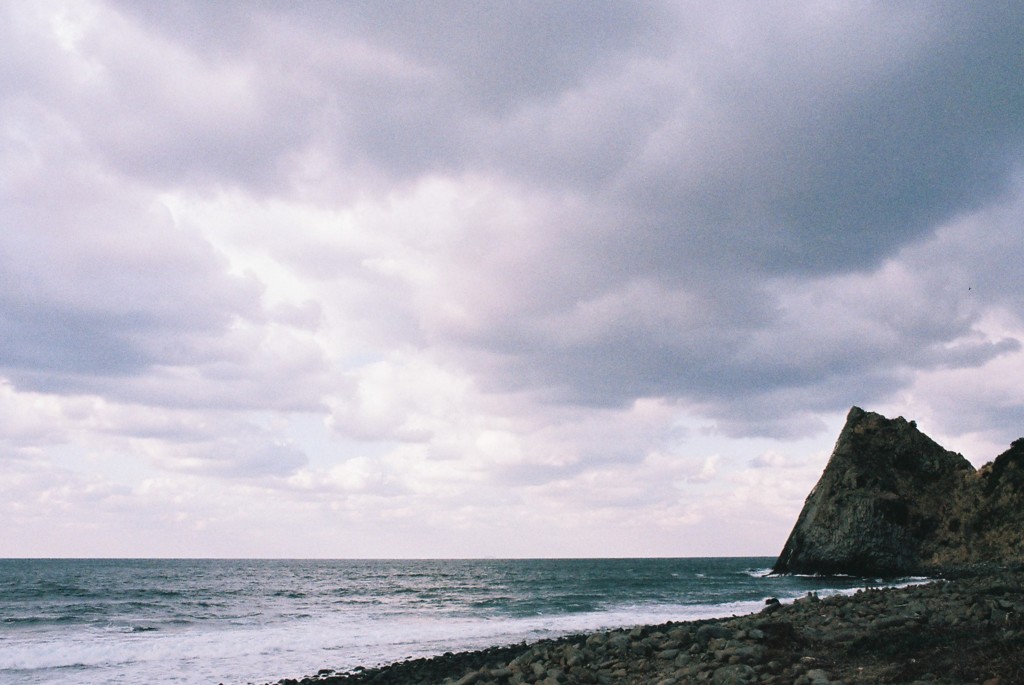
point(965, 628)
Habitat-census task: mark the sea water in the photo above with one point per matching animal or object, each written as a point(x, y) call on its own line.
point(257, 621)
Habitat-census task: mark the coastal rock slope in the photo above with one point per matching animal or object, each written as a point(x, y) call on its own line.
point(892, 502)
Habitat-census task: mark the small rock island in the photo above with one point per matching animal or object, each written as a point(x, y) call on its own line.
point(892, 502)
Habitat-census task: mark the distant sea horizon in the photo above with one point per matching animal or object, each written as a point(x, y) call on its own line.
point(248, 620)
point(371, 558)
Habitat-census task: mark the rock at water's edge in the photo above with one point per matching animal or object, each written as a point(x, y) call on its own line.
point(893, 502)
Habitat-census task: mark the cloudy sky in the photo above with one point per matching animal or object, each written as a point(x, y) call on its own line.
point(405, 279)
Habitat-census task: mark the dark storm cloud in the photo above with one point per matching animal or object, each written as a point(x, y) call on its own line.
point(402, 89)
point(780, 139)
point(95, 284)
point(683, 171)
point(811, 152)
point(801, 152)
point(494, 55)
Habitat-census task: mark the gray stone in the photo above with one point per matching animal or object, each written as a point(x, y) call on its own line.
point(712, 631)
point(748, 654)
point(817, 677)
point(618, 643)
point(734, 674)
point(469, 678)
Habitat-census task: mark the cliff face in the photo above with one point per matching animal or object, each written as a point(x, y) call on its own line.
point(892, 502)
point(995, 524)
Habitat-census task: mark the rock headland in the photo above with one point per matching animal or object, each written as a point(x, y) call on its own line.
point(891, 502)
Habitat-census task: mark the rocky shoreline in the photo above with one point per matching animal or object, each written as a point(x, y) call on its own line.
point(963, 629)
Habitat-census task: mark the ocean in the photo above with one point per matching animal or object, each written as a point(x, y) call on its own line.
point(256, 621)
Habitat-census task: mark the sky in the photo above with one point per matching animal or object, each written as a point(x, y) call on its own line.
point(469, 279)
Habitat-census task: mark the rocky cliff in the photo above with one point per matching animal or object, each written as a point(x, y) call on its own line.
point(892, 502)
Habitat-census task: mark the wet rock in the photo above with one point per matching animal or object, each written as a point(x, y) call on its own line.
point(736, 674)
point(815, 676)
point(711, 631)
point(468, 679)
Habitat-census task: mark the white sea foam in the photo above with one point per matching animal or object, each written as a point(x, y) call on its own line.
point(261, 654)
point(303, 616)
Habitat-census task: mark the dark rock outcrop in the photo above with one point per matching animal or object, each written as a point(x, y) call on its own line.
point(994, 528)
point(893, 502)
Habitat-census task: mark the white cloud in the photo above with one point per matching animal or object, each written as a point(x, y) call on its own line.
point(443, 280)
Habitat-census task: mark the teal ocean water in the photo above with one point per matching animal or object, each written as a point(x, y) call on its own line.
point(256, 621)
